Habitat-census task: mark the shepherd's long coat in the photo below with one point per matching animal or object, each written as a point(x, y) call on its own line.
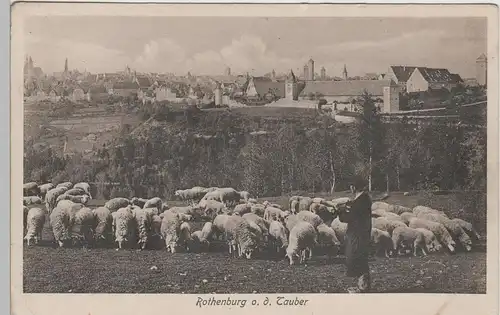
point(358, 234)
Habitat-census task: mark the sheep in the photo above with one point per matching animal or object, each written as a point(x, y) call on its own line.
point(67, 185)
point(242, 236)
point(35, 221)
point(76, 192)
point(258, 209)
point(192, 194)
point(170, 230)
point(83, 199)
point(206, 232)
point(123, 226)
point(184, 236)
point(305, 203)
point(243, 208)
point(327, 238)
point(340, 201)
point(212, 208)
point(438, 229)
point(387, 225)
point(51, 197)
point(387, 215)
point(32, 200)
point(271, 214)
point(156, 225)
point(468, 228)
point(326, 213)
point(278, 236)
point(340, 229)
point(406, 237)
point(31, 189)
point(219, 225)
point(453, 227)
point(143, 222)
point(117, 203)
point(44, 189)
point(252, 200)
point(310, 217)
point(422, 209)
point(140, 202)
point(150, 211)
point(381, 241)
point(194, 212)
point(201, 238)
point(84, 220)
point(273, 205)
point(62, 220)
point(228, 195)
point(431, 241)
point(302, 237)
point(245, 195)
point(294, 206)
point(290, 221)
point(85, 187)
point(155, 202)
point(406, 216)
point(102, 224)
point(397, 209)
point(263, 225)
point(319, 200)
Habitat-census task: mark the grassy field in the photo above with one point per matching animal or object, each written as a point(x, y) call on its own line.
point(50, 270)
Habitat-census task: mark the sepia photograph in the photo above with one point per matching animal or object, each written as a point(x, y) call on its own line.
point(210, 154)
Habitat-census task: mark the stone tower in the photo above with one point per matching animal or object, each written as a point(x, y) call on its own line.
point(482, 69)
point(218, 95)
point(323, 74)
point(344, 73)
point(391, 98)
point(306, 73)
point(273, 75)
point(291, 91)
point(310, 65)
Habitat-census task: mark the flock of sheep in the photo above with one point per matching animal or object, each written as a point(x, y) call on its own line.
point(245, 225)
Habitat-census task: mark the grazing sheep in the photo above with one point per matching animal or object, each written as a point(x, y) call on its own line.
point(431, 241)
point(212, 208)
point(194, 212)
point(305, 203)
point(75, 192)
point(143, 222)
point(117, 203)
point(85, 187)
point(303, 237)
point(83, 199)
point(140, 202)
point(156, 224)
point(219, 225)
point(278, 236)
point(228, 195)
point(328, 239)
point(192, 194)
point(103, 224)
point(84, 221)
point(170, 230)
point(51, 197)
point(340, 229)
point(242, 236)
point(35, 221)
point(319, 200)
point(294, 206)
point(453, 227)
point(245, 195)
point(273, 205)
point(397, 209)
point(310, 217)
point(387, 225)
point(151, 211)
point(258, 209)
point(272, 213)
point(32, 200)
point(406, 216)
point(67, 185)
point(263, 225)
point(44, 189)
point(184, 236)
point(387, 215)
point(290, 221)
point(468, 228)
point(154, 203)
point(408, 238)
point(422, 209)
point(31, 189)
point(243, 208)
point(124, 226)
point(438, 229)
point(382, 242)
point(61, 220)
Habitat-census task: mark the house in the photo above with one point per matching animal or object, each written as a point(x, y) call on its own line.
point(261, 87)
point(164, 93)
point(386, 92)
point(423, 79)
point(78, 95)
point(124, 88)
point(97, 92)
point(400, 75)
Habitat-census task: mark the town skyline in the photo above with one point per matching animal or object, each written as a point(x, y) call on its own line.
point(254, 45)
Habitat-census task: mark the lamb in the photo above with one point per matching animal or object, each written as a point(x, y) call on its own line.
point(385, 224)
point(143, 222)
point(340, 229)
point(438, 229)
point(212, 208)
point(117, 203)
point(406, 216)
point(102, 224)
point(310, 217)
point(263, 225)
point(123, 226)
point(245, 195)
point(305, 203)
point(258, 209)
point(44, 189)
point(468, 228)
point(154, 203)
point(431, 241)
point(278, 236)
point(85, 187)
point(453, 227)
point(382, 242)
point(83, 199)
point(51, 197)
point(170, 230)
point(31, 189)
point(271, 214)
point(327, 238)
point(243, 208)
point(84, 220)
point(242, 236)
point(140, 202)
point(35, 221)
point(422, 209)
point(302, 237)
point(219, 225)
point(32, 200)
point(67, 185)
point(406, 237)
point(62, 219)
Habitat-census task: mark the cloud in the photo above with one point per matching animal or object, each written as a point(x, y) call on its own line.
point(159, 56)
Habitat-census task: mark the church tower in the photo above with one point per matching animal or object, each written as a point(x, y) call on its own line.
point(482, 69)
point(344, 73)
point(310, 65)
point(323, 74)
point(291, 91)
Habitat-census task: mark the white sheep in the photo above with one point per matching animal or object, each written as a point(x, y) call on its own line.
point(245, 195)
point(31, 189)
point(407, 216)
point(303, 237)
point(155, 202)
point(290, 221)
point(124, 226)
point(35, 221)
point(387, 215)
point(252, 200)
point(44, 189)
point(243, 208)
point(453, 227)
point(219, 225)
point(263, 224)
point(84, 219)
point(438, 229)
point(140, 202)
point(117, 203)
point(170, 230)
point(156, 225)
point(192, 194)
point(422, 209)
point(431, 241)
point(67, 185)
point(305, 203)
point(32, 200)
point(83, 199)
point(228, 195)
point(76, 192)
point(397, 209)
point(62, 219)
point(340, 229)
point(143, 222)
point(273, 205)
point(206, 232)
point(382, 242)
point(278, 236)
point(85, 187)
point(103, 224)
point(385, 224)
point(275, 214)
point(212, 208)
point(258, 209)
point(51, 197)
point(328, 239)
point(310, 217)
point(192, 211)
point(184, 236)
point(318, 200)
point(294, 206)
point(468, 228)
point(408, 238)
point(242, 237)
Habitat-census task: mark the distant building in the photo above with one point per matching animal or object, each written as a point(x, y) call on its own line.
point(227, 71)
point(344, 73)
point(291, 87)
point(124, 88)
point(323, 74)
point(164, 93)
point(264, 87)
point(400, 75)
point(306, 73)
point(310, 67)
point(218, 95)
point(423, 79)
point(482, 70)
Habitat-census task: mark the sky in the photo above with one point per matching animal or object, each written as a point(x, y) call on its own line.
point(207, 45)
